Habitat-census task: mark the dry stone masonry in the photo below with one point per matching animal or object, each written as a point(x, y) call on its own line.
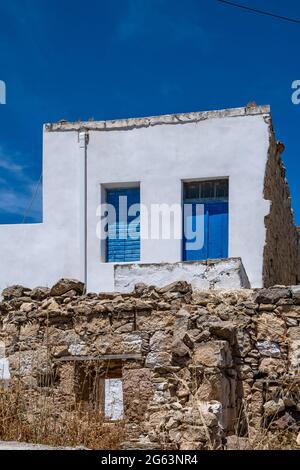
point(281, 253)
point(197, 368)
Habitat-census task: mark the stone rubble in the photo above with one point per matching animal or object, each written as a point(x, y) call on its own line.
point(198, 367)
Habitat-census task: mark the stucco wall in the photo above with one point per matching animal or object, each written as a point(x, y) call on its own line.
point(159, 154)
point(160, 158)
point(222, 274)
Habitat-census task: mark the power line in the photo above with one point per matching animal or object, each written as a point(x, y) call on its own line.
point(261, 12)
point(28, 209)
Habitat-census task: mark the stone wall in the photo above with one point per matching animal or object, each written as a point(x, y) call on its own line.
point(281, 253)
point(298, 258)
point(196, 366)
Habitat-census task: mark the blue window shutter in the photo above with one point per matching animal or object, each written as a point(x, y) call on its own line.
point(121, 246)
point(215, 232)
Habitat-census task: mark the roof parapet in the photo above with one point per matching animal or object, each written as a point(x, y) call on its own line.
point(135, 123)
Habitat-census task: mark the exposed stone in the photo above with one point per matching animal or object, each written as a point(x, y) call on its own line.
point(294, 354)
point(182, 286)
point(14, 292)
point(284, 422)
point(268, 348)
point(271, 295)
point(238, 443)
point(190, 362)
point(272, 407)
point(65, 285)
point(294, 333)
point(270, 327)
point(224, 330)
point(296, 293)
point(40, 293)
point(213, 354)
point(179, 348)
point(272, 367)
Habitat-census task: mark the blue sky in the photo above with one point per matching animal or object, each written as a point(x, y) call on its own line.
point(68, 59)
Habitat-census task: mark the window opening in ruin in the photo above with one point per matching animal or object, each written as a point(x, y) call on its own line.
point(48, 377)
point(99, 386)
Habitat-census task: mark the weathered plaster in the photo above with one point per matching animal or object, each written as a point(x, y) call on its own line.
point(159, 154)
point(224, 274)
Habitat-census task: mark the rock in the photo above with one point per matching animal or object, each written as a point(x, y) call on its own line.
point(65, 285)
point(142, 305)
point(286, 421)
point(289, 311)
point(273, 407)
point(29, 331)
point(294, 333)
point(140, 288)
point(243, 342)
point(186, 445)
point(4, 307)
point(224, 330)
point(271, 295)
point(14, 292)
point(298, 439)
point(296, 294)
point(269, 327)
point(272, 367)
point(52, 306)
point(194, 433)
point(268, 348)
point(26, 307)
point(238, 443)
point(40, 293)
point(160, 341)
point(213, 354)
point(79, 349)
point(178, 348)
point(294, 354)
point(158, 359)
point(182, 287)
point(266, 307)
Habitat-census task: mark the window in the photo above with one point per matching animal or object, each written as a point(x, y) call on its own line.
point(205, 211)
point(207, 190)
point(99, 386)
point(123, 240)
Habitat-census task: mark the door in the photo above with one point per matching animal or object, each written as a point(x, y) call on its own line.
point(213, 198)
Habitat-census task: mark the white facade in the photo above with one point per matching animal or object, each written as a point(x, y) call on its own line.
point(158, 154)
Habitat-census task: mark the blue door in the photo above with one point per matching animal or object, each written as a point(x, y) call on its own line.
point(213, 222)
point(217, 230)
point(123, 240)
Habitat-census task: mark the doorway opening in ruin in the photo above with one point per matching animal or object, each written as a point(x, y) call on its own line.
point(99, 386)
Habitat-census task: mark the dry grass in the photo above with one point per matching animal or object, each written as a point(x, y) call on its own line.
point(37, 420)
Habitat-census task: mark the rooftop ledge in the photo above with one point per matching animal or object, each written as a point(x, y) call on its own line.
point(133, 123)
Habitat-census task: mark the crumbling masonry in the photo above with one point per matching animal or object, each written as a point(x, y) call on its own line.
point(281, 253)
point(196, 367)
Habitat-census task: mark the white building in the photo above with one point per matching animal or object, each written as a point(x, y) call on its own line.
point(226, 160)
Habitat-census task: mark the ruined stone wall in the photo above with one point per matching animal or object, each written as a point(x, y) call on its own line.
point(281, 249)
point(298, 258)
point(197, 366)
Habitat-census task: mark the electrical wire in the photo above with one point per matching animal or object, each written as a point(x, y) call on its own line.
point(261, 12)
point(28, 209)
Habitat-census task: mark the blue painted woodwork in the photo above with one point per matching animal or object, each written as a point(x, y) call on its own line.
point(123, 240)
point(215, 221)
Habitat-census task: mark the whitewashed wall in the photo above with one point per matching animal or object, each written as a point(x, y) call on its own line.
point(158, 157)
